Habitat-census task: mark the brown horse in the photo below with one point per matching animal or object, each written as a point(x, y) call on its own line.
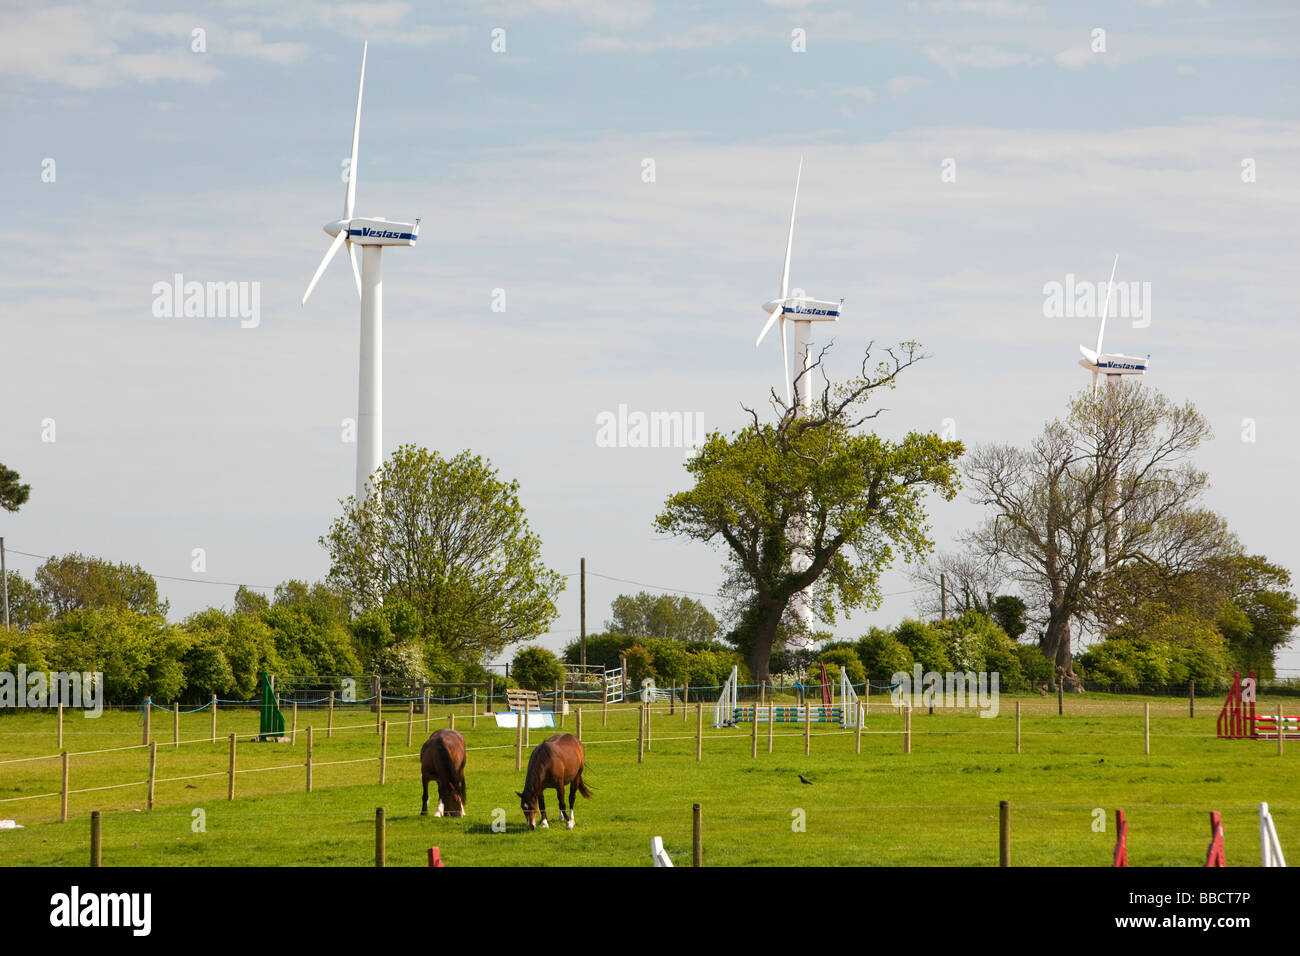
point(442, 758)
point(558, 761)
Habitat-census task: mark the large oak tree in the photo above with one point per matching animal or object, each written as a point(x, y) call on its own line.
point(816, 486)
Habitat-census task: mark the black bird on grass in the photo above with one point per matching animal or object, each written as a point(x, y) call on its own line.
point(803, 779)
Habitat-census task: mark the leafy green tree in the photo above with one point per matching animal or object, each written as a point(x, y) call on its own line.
point(450, 538)
point(536, 668)
point(811, 491)
point(669, 616)
point(26, 605)
point(1109, 488)
point(926, 644)
point(13, 493)
point(883, 655)
point(75, 582)
point(139, 656)
point(1008, 612)
point(1262, 595)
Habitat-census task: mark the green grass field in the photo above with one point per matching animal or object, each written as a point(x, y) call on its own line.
point(937, 805)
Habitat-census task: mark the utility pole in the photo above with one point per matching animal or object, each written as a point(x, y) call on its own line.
point(943, 597)
point(4, 581)
point(582, 602)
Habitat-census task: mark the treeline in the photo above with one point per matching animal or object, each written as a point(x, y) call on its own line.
point(85, 614)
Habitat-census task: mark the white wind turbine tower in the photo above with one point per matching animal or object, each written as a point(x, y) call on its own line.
point(1112, 365)
point(803, 311)
point(371, 235)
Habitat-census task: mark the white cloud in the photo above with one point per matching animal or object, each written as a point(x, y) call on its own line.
point(980, 56)
point(863, 93)
point(998, 9)
point(902, 85)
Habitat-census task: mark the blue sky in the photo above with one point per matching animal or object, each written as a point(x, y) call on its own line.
point(526, 169)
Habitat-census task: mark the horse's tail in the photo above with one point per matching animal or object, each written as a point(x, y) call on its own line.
point(581, 782)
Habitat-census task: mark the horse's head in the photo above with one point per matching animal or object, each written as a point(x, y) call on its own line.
point(452, 798)
point(528, 803)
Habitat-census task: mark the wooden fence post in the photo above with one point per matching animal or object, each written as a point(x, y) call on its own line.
point(329, 720)
point(379, 706)
point(672, 698)
point(527, 734)
point(1017, 726)
point(230, 784)
point(309, 754)
point(60, 725)
point(753, 736)
point(383, 751)
point(907, 729)
point(473, 708)
point(63, 795)
point(1146, 728)
point(153, 771)
point(96, 838)
point(686, 700)
point(640, 733)
point(176, 723)
point(697, 836)
point(381, 850)
point(293, 726)
point(577, 718)
point(1191, 697)
point(410, 721)
point(214, 718)
point(492, 686)
point(148, 719)
point(428, 706)
point(647, 724)
point(1004, 833)
point(451, 720)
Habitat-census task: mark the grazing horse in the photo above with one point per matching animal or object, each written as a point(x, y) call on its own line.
point(442, 758)
point(556, 762)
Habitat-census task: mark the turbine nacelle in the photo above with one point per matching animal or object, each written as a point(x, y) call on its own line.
point(805, 309)
point(375, 232)
point(1114, 363)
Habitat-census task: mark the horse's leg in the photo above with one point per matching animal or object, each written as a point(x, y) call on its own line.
point(424, 804)
point(441, 807)
point(559, 798)
point(541, 808)
point(573, 793)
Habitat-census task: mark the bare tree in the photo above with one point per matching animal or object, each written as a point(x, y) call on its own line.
point(1111, 487)
point(968, 577)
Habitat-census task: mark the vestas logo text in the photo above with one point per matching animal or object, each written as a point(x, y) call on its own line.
point(800, 310)
point(369, 233)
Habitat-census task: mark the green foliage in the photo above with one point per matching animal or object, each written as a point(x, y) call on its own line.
point(536, 668)
point(1263, 597)
point(975, 643)
point(926, 645)
point(862, 494)
point(74, 581)
point(843, 657)
point(1034, 667)
point(1008, 612)
point(450, 538)
point(13, 493)
point(26, 605)
point(1171, 650)
point(139, 656)
point(640, 665)
point(603, 650)
point(666, 616)
point(883, 655)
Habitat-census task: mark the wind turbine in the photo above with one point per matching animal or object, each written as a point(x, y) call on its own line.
point(371, 235)
point(803, 311)
point(1112, 365)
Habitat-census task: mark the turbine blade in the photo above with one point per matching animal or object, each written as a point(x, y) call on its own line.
point(789, 242)
point(770, 320)
point(320, 269)
point(1088, 353)
point(349, 198)
point(356, 269)
point(1106, 307)
point(785, 364)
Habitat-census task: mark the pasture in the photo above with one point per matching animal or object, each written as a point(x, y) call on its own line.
point(936, 806)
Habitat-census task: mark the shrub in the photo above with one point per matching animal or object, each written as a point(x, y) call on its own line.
point(843, 658)
point(536, 668)
point(925, 645)
point(883, 655)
